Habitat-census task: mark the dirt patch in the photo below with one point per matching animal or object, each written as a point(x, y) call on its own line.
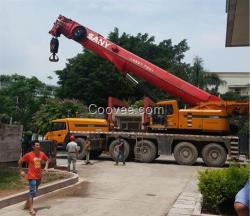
point(6, 192)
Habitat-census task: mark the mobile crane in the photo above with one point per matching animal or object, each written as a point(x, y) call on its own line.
point(208, 113)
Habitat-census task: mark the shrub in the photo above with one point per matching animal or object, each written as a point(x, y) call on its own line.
point(219, 187)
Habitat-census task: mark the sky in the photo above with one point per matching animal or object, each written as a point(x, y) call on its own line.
point(24, 24)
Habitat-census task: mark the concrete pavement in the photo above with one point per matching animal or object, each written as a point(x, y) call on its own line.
point(136, 189)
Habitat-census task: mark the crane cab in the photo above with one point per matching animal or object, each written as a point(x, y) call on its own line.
point(167, 116)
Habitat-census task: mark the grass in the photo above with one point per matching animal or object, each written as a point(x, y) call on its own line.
point(10, 179)
point(51, 177)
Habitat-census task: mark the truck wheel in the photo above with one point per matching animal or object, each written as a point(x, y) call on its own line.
point(114, 151)
point(79, 33)
point(185, 153)
point(214, 155)
point(81, 142)
point(145, 151)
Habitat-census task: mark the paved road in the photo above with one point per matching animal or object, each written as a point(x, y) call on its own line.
point(136, 189)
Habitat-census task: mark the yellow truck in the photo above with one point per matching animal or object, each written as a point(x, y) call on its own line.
point(60, 131)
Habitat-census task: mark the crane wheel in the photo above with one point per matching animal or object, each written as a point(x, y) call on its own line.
point(185, 153)
point(81, 142)
point(114, 150)
point(79, 33)
point(145, 151)
point(214, 155)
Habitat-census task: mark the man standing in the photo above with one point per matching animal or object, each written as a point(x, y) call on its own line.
point(72, 150)
point(121, 151)
point(34, 175)
point(87, 148)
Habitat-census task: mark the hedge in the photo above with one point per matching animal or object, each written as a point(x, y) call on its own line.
point(219, 187)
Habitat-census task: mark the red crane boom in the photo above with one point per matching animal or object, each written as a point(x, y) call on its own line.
point(127, 62)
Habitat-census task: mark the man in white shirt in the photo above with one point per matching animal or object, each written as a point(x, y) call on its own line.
point(72, 150)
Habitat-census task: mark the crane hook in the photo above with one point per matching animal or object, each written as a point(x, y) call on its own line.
point(54, 45)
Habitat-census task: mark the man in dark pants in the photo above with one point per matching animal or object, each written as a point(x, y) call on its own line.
point(121, 151)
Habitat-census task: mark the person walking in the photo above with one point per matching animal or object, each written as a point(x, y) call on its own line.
point(34, 175)
point(121, 151)
point(87, 148)
point(72, 150)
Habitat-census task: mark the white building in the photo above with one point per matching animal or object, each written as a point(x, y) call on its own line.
point(235, 81)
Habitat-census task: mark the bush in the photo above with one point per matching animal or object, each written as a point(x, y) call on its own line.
point(219, 187)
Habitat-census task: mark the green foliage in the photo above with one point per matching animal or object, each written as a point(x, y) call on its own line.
point(201, 78)
point(56, 108)
point(90, 78)
point(11, 179)
point(230, 95)
point(244, 127)
point(21, 97)
point(4, 119)
point(219, 186)
point(138, 104)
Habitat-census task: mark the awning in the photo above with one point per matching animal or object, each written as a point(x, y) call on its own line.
point(237, 23)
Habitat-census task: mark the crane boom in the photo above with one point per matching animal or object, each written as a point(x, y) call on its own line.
point(127, 62)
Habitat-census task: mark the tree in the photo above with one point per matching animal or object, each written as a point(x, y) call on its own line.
point(230, 95)
point(201, 78)
point(56, 108)
point(91, 79)
point(21, 97)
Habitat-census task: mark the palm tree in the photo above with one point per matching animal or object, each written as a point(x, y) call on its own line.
point(203, 79)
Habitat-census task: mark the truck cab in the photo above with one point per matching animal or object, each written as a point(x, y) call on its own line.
point(165, 115)
point(60, 129)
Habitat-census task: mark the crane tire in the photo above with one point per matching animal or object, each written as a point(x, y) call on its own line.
point(114, 151)
point(185, 153)
point(81, 142)
point(145, 151)
point(214, 155)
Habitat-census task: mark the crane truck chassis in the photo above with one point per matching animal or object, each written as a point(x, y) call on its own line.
point(146, 147)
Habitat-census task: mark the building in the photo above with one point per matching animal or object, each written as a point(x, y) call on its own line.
point(237, 33)
point(235, 81)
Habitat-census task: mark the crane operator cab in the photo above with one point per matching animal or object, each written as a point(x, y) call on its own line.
point(164, 115)
point(167, 116)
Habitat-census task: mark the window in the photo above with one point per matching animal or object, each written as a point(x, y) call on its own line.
point(237, 90)
point(169, 110)
point(58, 126)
